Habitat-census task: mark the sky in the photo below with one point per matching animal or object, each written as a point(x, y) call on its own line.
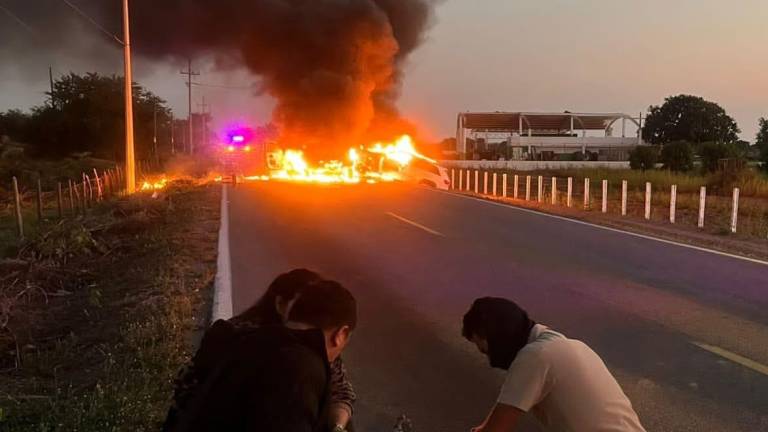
point(504, 55)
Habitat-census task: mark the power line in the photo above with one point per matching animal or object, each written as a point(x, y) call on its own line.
point(93, 22)
point(17, 19)
point(222, 86)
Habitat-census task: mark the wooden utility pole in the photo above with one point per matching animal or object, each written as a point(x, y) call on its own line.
point(204, 110)
point(130, 162)
point(189, 73)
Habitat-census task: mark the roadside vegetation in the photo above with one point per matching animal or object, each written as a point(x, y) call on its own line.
point(98, 312)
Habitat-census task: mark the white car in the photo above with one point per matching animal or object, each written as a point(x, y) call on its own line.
point(426, 173)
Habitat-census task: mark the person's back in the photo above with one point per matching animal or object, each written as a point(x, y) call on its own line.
point(574, 389)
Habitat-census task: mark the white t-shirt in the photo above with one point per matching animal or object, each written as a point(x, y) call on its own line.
point(567, 386)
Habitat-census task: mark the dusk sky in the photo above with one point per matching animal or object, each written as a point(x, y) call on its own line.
point(526, 55)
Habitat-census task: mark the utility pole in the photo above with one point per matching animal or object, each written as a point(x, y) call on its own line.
point(204, 119)
point(130, 161)
point(53, 95)
point(189, 73)
point(173, 144)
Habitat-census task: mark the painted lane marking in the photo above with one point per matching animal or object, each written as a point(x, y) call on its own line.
point(222, 296)
point(616, 230)
point(746, 362)
point(416, 224)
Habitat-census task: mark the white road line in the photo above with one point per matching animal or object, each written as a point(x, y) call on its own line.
point(748, 363)
point(563, 218)
point(417, 225)
point(222, 295)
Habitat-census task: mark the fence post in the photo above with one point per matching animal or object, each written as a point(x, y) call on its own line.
point(586, 194)
point(495, 182)
point(554, 190)
point(672, 203)
point(461, 180)
point(735, 210)
point(98, 184)
point(485, 182)
point(504, 185)
point(605, 196)
point(39, 200)
point(72, 207)
point(702, 205)
point(453, 179)
point(60, 202)
point(80, 203)
point(85, 193)
point(648, 201)
point(527, 188)
point(569, 196)
point(477, 182)
point(515, 187)
point(17, 205)
point(623, 197)
point(540, 189)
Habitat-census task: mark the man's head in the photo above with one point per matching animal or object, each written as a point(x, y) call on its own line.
point(499, 328)
point(328, 306)
point(273, 306)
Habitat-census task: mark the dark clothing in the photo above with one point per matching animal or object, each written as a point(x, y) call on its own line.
point(504, 324)
point(257, 379)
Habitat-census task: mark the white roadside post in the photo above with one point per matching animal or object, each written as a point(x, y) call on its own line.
point(648, 201)
point(485, 182)
point(735, 211)
point(540, 189)
point(468, 174)
point(495, 182)
point(623, 197)
point(504, 185)
point(702, 205)
point(554, 190)
point(477, 182)
point(461, 180)
point(453, 179)
point(605, 196)
point(570, 192)
point(527, 188)
point(515, 187)
point(586, 194)
point(672, 203)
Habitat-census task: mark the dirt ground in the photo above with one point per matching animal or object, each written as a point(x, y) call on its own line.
point(96, 313)
point(721, 240)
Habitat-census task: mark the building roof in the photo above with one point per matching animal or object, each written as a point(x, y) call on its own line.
point(505, 121)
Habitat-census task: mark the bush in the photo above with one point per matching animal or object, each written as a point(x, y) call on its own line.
point(677, 156)
point(643, 158)
point(711, 153)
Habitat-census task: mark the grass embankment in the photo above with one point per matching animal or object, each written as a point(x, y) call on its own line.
point(97, 313)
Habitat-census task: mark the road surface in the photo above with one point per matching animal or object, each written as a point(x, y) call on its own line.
point(684, 331)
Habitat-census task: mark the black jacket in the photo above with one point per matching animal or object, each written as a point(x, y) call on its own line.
point(266, 379)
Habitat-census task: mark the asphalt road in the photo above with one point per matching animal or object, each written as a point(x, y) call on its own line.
point(684, 331)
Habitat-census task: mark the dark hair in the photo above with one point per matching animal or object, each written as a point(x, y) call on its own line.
point(327, 305)
point(505, 325)
point(287, 286)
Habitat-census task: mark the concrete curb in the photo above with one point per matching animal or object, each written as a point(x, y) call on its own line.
point(222, 290)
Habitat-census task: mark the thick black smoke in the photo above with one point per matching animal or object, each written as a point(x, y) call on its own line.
point(334, 66)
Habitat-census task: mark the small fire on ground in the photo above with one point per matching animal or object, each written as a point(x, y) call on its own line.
point(380, 162)
point(154, 185)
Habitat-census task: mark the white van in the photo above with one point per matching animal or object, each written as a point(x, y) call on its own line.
point(424, 172)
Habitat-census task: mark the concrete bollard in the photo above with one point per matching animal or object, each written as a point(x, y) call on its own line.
point(735, 210)
point(605, 196)
point(453, 179)
point(554, 191)
point(515, 187)
point(495, 181)
point(540, 189)
point(569, 195)
point(672, 203)
point(477, 182)
point(702, 205)
point(504, 185)
point(527, 188)
point(461, 180)
point(468, 178)
point(648, 201)
point(623, 197)
point(586, 194)
point(485, 182)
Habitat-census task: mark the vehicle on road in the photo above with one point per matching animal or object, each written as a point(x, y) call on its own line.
point(424, 172)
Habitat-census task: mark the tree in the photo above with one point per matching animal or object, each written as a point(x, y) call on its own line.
point(711, 153)
point(761, 141)
point(677, 156)
point(689, 118)
point(643, 158)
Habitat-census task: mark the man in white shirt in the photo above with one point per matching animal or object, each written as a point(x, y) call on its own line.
point(561, 381)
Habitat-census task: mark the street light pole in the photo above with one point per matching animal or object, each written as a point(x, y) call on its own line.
point(130, 161)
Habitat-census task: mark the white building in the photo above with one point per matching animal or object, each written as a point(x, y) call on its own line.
point(535, 136)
